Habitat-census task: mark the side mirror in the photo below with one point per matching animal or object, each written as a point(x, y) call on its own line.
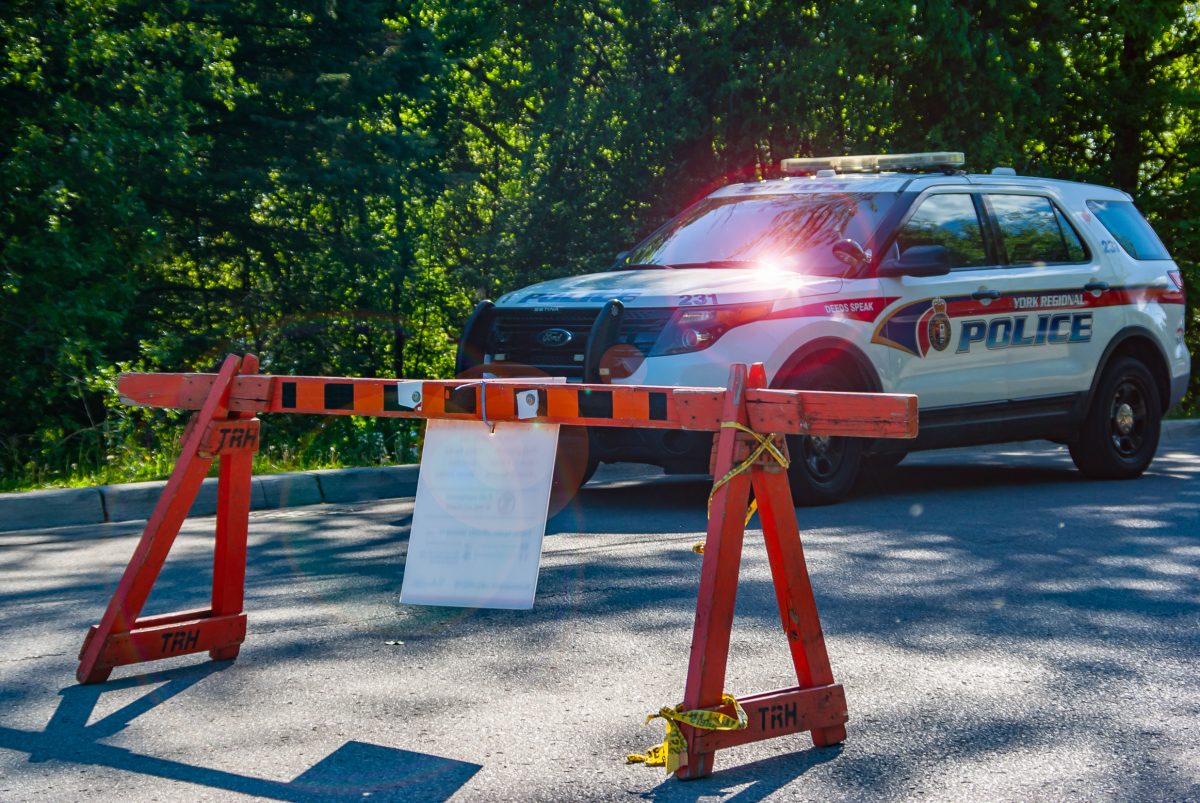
point(920, 260)
point(851, 253)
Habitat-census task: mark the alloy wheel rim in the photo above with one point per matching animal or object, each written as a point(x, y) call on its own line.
point(1127, 422)
point(823, 456)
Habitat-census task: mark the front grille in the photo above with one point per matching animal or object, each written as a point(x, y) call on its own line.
point(641, 327)
point(516, 332)
point(516, 339)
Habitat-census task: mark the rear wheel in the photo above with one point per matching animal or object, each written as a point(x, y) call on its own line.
point(1120, 434)
point(823, 467)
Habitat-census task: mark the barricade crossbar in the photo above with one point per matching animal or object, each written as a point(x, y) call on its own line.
point(743, 415)
point(784, 412)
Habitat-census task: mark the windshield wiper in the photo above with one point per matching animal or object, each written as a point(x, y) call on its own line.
point(719, 263)
point(644, 266)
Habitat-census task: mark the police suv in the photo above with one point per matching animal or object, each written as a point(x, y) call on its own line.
point(1013, 307)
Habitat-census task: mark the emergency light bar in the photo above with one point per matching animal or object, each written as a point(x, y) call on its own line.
point(874, 163)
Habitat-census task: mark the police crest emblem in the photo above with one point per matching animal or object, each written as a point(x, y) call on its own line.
point(939, 326)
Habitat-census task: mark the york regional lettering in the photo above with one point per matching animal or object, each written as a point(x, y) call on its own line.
point(1056, 301)
point(1026, 330)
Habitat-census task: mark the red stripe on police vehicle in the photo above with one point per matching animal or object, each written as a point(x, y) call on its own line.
point(1013, 320)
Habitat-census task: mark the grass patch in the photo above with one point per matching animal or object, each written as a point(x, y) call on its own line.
point(149, 450)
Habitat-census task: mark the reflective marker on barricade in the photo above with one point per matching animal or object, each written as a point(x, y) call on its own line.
point(746, 416)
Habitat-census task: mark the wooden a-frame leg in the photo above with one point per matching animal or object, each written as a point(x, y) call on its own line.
point(233, 519)
point(793, 589)
point(160, 532)
point(718, 576)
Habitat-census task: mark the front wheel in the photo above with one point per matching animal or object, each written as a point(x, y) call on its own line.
point(885, 461)
point(823, 468)
point(1120, 434)
point(573, 467)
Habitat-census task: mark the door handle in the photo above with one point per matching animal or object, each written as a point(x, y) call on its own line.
point(1095, 287)
point(981, 294)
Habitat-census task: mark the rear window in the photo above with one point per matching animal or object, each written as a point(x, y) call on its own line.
point(1034, 231)
point(1127, 226)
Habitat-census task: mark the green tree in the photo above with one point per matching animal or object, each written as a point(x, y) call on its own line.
point(1131, 121)
point(332, 184)
point(101, 101)
point(295, 231)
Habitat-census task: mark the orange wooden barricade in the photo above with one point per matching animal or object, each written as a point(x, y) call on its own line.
point(225, 428)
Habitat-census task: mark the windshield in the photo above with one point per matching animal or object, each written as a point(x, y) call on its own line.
point(778, 232)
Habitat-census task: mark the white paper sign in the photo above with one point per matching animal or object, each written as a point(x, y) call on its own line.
point(480, 514)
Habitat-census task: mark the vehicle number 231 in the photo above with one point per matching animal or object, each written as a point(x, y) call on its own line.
point(696, 299)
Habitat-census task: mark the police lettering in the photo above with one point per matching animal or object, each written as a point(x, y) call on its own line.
point(1024, 330)
point(573, 298)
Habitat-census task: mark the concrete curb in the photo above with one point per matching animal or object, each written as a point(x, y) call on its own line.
point(359, 484)
point(57, 507)
point(274, 491)
point(72, 507)
point(1180, 429)
point(136, 500)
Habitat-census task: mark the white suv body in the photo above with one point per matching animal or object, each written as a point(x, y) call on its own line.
point(1022, 292)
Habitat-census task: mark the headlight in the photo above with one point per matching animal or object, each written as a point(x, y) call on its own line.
point(697, 328)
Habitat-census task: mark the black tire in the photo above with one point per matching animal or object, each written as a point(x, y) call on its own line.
point(1120, 434)
point(573, 466)
point(885, 461)
point(877, 469)
point(823, 469)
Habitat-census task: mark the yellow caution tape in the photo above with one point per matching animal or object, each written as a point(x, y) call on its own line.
point(672, 753)
point(766, 443)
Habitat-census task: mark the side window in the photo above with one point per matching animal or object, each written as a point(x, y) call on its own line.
point(1129, 228)
point(948, 220)
point(1034, 232)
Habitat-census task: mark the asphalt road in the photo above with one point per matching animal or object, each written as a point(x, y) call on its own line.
point(1004, 629)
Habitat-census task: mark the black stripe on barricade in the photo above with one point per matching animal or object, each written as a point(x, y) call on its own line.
point(339, 395)
point(658, 407)
point(595, 404)
point(390, 399)
point(460, 400)
point(287, 396)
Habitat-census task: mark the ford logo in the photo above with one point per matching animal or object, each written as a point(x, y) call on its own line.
point(554, 337)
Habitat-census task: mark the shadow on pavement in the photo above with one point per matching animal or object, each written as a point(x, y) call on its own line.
point(1028, 609)
point(353, 771)
point(747, 783)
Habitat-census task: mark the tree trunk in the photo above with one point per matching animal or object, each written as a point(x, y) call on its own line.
point(1128, 149)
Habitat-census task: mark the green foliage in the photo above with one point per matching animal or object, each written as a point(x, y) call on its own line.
point(98, 111)
point(333, 184)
